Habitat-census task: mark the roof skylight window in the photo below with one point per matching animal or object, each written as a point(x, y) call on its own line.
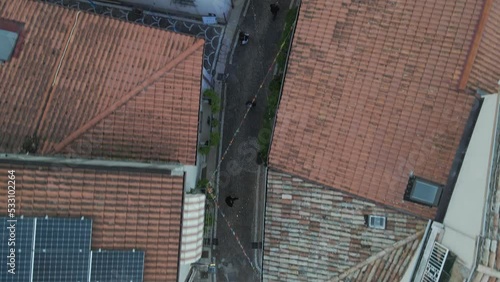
point(423, 191)
point(10, 39)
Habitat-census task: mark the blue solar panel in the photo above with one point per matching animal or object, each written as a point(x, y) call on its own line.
point(61, 266)
point(117, 266)
point(62, 249)
point(24, 232)
point(63, 234)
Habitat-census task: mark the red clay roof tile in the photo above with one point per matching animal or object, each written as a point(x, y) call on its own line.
point(376, 96)
point(388, 265)
point(485, 72)
point(129, 210)
point(92, 86)
point(296, 218)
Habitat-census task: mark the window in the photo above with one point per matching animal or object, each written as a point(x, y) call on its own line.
point(8, 40)
point(11, 39)
point(375, 221)
point(423, 191)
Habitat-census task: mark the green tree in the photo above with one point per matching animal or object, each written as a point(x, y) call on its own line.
point(214, 139)
point(214, 100)
point(202, 183)
point(204, 150)
point(214, 123)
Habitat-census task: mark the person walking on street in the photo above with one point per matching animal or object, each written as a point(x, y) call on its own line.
point(274, 9)
point(230, 201)
point(244, 37)
point(251, 104)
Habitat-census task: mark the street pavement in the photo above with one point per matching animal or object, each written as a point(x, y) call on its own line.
point(239, 174)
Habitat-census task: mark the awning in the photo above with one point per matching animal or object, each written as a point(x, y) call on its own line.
point(192, 228)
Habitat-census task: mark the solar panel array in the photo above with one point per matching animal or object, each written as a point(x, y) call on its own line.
point(58, 249)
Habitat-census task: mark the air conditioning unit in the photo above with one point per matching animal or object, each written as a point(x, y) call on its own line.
point(377, 222)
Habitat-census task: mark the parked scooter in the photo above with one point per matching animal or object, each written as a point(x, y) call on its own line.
point(244, 37)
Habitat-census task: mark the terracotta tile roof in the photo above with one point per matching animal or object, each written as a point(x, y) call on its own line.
point(489, 258)
point(388, 265)
point(371, 93)
point(485, 72)
point(129, 210)
point(93, 86)
point(315, 233)
point(489, 251)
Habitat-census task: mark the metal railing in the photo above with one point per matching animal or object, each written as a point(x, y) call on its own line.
point(435, 264)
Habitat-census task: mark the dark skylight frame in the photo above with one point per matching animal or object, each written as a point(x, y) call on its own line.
point(423, 191)
point(11, 39)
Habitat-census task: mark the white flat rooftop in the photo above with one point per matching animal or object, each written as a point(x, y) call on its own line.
point(464, 218)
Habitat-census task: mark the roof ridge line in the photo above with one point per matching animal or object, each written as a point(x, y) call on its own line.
point(474, 46)
point(136, 90)
point(50, 90)
point(71, 34)
point(172, 169)
point(378, 255)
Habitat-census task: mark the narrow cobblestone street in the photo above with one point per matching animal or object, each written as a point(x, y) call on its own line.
point(240, 176)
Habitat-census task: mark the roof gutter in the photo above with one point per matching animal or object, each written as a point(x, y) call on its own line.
point(174, 169)
point(458, 160)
